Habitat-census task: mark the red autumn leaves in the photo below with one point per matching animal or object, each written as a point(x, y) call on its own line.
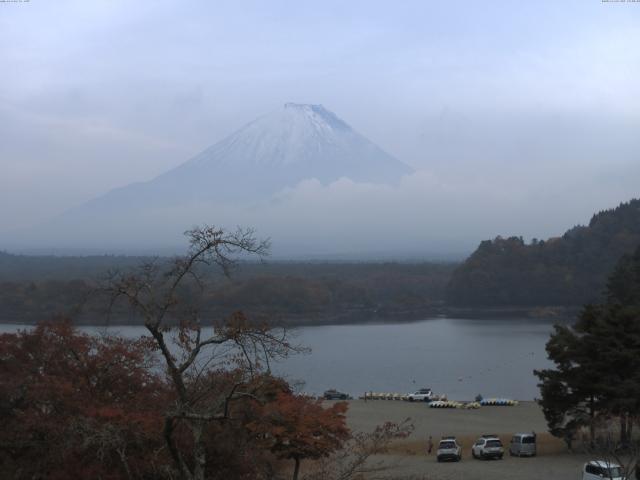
point(94, 406)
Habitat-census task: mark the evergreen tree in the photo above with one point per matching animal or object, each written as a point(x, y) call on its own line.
point(597, 361)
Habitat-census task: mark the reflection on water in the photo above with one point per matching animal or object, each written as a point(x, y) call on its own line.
point(460, 358)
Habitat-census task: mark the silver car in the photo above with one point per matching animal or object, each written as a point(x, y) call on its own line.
point(523, 444)
point(448, 449)
point(487, 446)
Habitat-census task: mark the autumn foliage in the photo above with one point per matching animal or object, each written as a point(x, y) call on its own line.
point(79, 406)
point(75, 403)
point(297, 427)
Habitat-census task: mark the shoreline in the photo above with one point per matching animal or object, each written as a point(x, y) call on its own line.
point(364, 317)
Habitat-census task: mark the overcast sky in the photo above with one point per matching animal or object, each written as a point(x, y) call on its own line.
point(539, 99)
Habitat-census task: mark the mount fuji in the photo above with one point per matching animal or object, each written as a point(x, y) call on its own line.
point(279, 150)
point(241, 172)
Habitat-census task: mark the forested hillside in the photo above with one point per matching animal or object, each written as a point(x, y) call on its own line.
point(569, 270)
point(506, 272)
point(35, 288)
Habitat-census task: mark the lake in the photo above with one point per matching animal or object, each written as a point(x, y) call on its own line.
point(460, 358)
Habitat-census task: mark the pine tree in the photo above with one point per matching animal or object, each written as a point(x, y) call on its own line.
point(597, 361)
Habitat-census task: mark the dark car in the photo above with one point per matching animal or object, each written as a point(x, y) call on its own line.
point(335, 395)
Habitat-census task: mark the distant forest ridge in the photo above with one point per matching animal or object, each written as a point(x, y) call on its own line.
point(570, 270)
point(291, 293)
point(503, 277)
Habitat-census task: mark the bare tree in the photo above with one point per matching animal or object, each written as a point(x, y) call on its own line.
point(355, 459)
point(209, 364)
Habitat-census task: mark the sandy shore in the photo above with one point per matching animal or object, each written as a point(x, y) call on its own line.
point(408, 458)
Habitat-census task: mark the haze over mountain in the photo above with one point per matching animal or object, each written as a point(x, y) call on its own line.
point(262, 161)
point(318, 188)
point(298, 142)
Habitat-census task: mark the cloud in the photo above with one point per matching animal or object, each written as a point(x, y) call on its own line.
point(424, 216)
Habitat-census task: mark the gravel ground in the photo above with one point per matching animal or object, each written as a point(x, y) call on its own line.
point(408, 458)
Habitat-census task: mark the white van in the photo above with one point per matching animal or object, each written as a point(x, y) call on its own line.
point(523, 444)
point(599, 470)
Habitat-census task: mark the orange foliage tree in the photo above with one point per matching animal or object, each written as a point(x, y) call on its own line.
point(298, 427)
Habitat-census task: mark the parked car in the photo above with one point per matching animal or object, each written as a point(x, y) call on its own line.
point(600, 469)
point(523, 444)
point(448, 449)
point(487, 446)
point(422, 395)
point(335, 395)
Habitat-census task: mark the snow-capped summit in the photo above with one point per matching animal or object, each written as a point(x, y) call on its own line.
point(284, 137)
point(304, 141)
point(295, 143)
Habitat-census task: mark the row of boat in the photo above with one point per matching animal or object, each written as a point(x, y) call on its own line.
point(501, 402)
point(440, 401)
point(394, 396)
point(454, 404)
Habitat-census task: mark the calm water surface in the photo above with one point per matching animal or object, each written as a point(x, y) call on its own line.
point(460, 358)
